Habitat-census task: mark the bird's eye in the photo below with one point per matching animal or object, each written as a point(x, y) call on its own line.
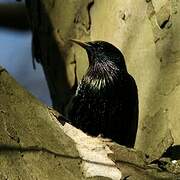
point(100, 48)
point(90, 43)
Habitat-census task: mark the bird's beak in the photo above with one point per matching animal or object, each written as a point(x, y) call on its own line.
point(89, 48)
point(82, 44)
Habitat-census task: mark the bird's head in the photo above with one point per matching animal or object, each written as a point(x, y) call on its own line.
point(102, 52)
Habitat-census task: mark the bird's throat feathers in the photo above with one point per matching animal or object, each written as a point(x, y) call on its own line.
point(101, 75)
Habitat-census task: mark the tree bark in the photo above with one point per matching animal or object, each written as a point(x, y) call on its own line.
point(35, 143)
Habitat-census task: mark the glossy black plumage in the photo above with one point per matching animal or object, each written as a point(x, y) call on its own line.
point(106, 100)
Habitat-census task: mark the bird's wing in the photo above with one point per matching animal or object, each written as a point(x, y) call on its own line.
point(124, 111)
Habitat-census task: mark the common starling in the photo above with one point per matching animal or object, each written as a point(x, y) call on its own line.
point(106, 99)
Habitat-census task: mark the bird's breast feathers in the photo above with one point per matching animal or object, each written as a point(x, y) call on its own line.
point(100, 76)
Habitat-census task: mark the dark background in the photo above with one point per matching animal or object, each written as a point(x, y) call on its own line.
point(15, 49)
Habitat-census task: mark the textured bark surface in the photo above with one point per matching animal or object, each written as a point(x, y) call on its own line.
point(53, 24)
point(35, 143)
point(32, 146)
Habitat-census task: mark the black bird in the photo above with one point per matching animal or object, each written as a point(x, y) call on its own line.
point(106, 99)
